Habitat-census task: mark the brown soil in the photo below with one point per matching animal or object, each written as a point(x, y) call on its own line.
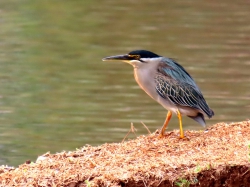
point(216, 157)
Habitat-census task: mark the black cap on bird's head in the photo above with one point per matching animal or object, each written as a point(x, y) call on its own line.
point(133, 55)
point(144, 54)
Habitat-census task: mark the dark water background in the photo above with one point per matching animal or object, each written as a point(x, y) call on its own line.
point(56, 94)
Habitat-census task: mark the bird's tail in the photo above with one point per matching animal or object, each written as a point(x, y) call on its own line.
point(199, 118)
point(211, 113)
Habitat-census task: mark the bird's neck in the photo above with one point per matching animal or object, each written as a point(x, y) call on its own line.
point(145, 79)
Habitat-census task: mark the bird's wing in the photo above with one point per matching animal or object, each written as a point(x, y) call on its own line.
point(171, 68)
point(174, 83)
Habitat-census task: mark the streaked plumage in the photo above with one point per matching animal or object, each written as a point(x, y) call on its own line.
point(169, 84)
point(175, 84)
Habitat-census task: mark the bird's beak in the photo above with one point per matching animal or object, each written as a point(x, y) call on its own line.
point(118, 57)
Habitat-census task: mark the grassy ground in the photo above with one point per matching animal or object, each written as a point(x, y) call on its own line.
point(218, 156)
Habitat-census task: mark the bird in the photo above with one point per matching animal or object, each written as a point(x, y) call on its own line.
point(168, 83)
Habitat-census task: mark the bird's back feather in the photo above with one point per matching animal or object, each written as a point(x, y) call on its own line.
point(174, 83)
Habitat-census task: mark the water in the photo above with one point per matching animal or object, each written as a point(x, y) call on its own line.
point(56, 93)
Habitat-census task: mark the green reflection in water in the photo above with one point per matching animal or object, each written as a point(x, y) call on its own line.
point(57, 94)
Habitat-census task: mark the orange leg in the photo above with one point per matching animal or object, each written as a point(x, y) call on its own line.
point(169, 115)
point(180, 121)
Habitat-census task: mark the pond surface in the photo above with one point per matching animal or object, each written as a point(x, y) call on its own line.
point(56, 94)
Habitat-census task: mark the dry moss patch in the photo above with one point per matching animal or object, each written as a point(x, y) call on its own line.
point(216, 157)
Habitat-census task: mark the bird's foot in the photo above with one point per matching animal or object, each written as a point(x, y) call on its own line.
point(184, 138)
point(161, 135)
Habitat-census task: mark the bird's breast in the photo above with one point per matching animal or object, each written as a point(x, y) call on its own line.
point(146, 81)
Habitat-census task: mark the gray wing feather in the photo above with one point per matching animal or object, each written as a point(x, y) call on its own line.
point(175, 84)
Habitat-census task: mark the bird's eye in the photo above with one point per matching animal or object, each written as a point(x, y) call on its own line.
point(137, 56)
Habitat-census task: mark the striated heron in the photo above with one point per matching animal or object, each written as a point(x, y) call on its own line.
point(168, 83)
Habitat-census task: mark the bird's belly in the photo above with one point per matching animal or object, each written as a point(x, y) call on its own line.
point(147, 83)
point(184, 110)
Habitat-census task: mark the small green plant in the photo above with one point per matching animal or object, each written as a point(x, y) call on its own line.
point(182, 183)
point(249, 153)
point(88, 183)
point(208, 166)
point(197, 169)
